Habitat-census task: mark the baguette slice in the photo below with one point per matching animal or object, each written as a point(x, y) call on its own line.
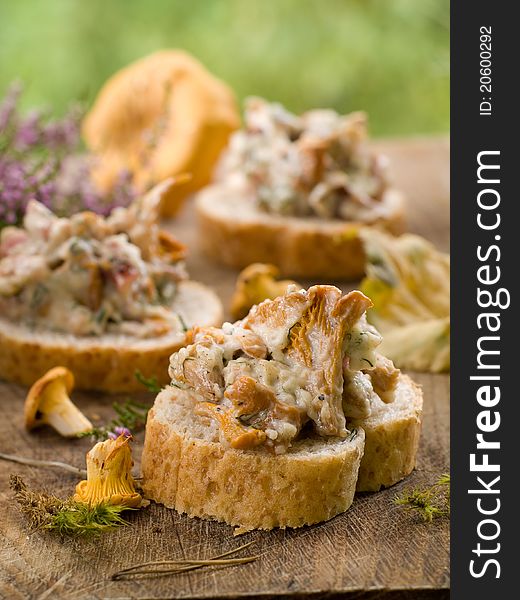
point(185, 467)
point(107, 363)
point(233, 232)
point(391, 438)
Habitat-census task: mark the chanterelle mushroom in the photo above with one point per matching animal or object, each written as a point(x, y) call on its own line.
point(162, 115)
point(257, 283)
point(48, 403)
point(109, 479)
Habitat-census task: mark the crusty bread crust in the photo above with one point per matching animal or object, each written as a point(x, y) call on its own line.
point(391, 439)
point(106, 363)
point(185, 467)
point(233, 232)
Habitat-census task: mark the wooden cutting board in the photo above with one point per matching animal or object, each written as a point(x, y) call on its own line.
point(375, 550)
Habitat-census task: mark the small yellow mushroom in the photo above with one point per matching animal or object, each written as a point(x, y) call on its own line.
point(256, 283)
point(109, 479)
point(48, 403)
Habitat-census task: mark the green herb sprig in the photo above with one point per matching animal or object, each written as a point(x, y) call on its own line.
point(65, 517)
point(431, 502)
point(131, 417)
point(150, 383)
point(76, 518)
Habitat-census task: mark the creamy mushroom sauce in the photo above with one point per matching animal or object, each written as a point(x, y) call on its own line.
point(263, 383)
point(88, 275)
point(316, 164)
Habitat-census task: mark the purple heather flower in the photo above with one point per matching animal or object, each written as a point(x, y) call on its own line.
point(39, 159)
point(29, 132)
point(63, 133)
point(119, 431)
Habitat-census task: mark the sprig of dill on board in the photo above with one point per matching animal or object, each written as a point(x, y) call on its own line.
point(430, 502)
point(65, 517)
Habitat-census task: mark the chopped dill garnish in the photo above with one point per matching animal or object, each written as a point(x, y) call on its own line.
point(65, 517)
point(430, 502)
point(76, 518)
point(353, 435)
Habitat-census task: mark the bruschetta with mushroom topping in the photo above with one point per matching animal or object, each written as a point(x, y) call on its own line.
point(294, 191)
point(102, 296)
point(275, 420)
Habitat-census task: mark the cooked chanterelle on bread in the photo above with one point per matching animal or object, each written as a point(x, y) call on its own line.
point(266, 420)
point(102, 296)
point(293, 191)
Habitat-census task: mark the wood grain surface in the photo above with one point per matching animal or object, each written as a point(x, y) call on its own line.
point(374, 551)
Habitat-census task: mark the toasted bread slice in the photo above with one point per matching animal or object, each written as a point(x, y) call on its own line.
point(185, 467)
point(391, 438)
point(109, 362)
point(234, 232)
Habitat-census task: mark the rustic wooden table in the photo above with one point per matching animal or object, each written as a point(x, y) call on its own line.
point(375, 550)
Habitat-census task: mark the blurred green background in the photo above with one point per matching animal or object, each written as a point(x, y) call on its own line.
point(389, 57)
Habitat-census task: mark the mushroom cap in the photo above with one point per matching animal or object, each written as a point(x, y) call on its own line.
point(162, 115)
point(36, 393)
point(109, 478)
point(257, 282)
point(246, 291)
point(258, 270)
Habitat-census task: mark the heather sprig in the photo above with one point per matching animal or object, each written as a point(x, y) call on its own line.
point(131, 417)
point(41, 159)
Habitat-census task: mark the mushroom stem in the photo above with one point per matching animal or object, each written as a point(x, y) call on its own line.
point(60, 412)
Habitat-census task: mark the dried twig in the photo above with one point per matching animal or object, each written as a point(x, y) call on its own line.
point(183, 565)
point(33, 462)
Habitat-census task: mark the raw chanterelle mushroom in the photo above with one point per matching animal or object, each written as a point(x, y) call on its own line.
point(109, 479)
point(48, 403)
point(162, 115)
point(256, 283)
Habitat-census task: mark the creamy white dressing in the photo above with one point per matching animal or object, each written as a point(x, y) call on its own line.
point(360, 346)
